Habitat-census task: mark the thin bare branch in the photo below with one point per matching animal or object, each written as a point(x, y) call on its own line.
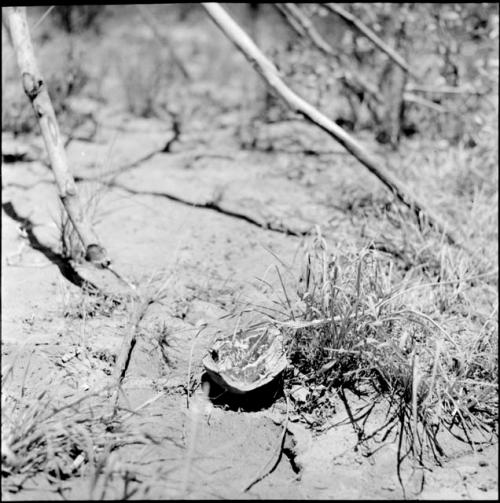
point(370, 35)
point(443, 90)
point(418, 100)
point(290, 19)
point(128, 343)
point(307, 27)
point(40, 21)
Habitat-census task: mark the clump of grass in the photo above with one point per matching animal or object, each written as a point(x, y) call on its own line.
point(78, 435)
point(41, 433)
point(87, 302)
point(354, 324)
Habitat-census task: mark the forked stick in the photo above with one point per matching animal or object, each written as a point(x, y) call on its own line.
point(271, 76)
point(36, 90)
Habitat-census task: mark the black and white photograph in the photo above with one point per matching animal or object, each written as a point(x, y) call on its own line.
point(249, 251)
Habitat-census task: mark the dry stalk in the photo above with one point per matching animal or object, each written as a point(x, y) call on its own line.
point(307, 27)
point(271, 76)
point(44, 15)
point(36, 90)
point(129, 343)
point(196, 416)
point(370, 35)
point(290, 19)
point(418, 100)
point(443, 90)
point(188, 382)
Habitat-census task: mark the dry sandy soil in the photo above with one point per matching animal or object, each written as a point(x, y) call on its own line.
point(208, 213)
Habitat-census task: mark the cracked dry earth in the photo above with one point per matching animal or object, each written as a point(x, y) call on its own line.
point(212, 221)
point(214, 216)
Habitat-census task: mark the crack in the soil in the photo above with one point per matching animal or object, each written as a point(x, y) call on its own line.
point(209, 205)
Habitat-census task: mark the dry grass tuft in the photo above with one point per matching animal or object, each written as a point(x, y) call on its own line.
point(355, 324)
point(75, 436)
point(44, 434)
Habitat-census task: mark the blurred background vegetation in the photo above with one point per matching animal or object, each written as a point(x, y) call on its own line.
point(445, 44)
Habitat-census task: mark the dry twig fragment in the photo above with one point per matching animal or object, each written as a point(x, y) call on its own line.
point(370, 35)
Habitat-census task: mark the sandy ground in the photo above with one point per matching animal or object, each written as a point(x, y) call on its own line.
point(214, 257)
point(208, 213)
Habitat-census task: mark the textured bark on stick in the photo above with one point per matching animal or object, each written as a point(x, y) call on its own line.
point(271, 76)
point(36, 90)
